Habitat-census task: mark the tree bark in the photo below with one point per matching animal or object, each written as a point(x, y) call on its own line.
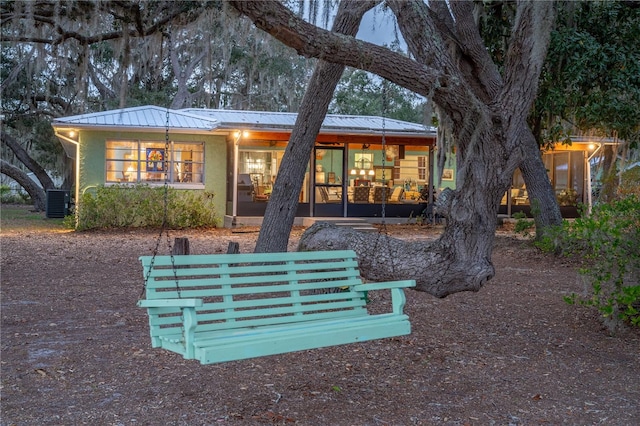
point(449, 65)
point(283, 203)
point(484, 112)
point(30, 163)
point(544, 205)
point(609, 171)
point(381, 258)
point(36, 193)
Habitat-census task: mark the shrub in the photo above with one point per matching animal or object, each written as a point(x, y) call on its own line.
point(11, 196)
point(608, 240)
point(123, 206)
point(630, 183)
point(523, 224)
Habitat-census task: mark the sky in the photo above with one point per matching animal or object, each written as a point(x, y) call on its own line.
point(378, 27)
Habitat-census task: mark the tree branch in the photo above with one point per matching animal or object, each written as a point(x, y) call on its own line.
point(481, 67)
point(526, 54)
point(35, 192)
point(26, 159)
point(43, 13)
point(311, 41)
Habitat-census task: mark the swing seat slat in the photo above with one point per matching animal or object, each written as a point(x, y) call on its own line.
point(218, 308)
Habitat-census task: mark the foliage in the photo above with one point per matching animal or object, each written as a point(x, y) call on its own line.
point(122, 206)
point(591, 78)
point(362, 93)
point(495, 24)
point(630, 183)
point(178, 54)
point(523, 224)
point(9, 196)
point(608, 240)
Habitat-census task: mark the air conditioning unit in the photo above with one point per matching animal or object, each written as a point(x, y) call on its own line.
point(58, 203)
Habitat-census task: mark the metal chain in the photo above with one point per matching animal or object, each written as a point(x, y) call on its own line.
point(383, 228)
point(165, 212)
point(165, 217)
point(384, 154)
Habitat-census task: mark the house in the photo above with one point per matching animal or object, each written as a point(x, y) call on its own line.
point(569, 171)
point(357, 163)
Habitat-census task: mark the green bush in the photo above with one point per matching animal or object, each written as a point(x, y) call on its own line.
point(608, 240)
point(523, 224)
point(9, 196)
point(124, 206)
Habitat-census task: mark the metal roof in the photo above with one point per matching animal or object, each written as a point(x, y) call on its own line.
point(198, 119)
point(145, 117)
point(333, 123)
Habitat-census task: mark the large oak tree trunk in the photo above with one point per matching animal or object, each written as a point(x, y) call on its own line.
point(283, 203)
point(460, 260)
point(22, 155)
point(483, 110)
point(543, 201)
point(35, 192)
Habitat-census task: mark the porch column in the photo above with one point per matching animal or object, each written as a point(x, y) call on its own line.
point(234, 207)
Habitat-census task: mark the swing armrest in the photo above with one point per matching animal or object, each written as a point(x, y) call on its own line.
point(170, 303)
point(189, 320)
point(398, 298)
point(385, 285)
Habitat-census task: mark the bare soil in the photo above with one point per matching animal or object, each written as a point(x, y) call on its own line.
point(76, 350)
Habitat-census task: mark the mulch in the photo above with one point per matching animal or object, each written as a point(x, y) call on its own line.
point(76, 350)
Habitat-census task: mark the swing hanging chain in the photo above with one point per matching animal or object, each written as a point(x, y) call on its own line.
point(165, 212)
point(165, 215)
point(384, 154)
point(383, 228)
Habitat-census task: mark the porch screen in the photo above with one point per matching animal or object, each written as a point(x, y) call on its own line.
point(142, 161)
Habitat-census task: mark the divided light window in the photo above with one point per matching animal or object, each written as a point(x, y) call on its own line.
point(144, 161)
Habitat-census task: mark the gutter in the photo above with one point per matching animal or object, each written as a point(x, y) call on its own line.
point(65, 140)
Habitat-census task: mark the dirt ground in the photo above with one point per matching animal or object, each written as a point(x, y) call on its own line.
point(76, 350)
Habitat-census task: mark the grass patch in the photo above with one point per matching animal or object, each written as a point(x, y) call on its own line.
point(22, 217)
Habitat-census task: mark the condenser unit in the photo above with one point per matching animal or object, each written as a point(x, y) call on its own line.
point(58, 203)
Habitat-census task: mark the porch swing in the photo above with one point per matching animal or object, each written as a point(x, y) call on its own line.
point(224, 307)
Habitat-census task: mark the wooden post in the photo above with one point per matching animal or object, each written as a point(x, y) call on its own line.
point(180, 246)
point(234, 248)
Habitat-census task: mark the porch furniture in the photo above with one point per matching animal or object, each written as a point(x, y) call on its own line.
point(259, 193)
point(412, 195)
point(396, 195)
point(381, 193)
point(217, 308)
point(328, 197)
point(361, 194)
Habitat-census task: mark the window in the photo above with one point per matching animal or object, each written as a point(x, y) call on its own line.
point(141, 161)
point(566, 172)
point(414, 170)
point(422, 168)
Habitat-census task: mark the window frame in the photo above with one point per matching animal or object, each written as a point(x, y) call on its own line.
point(137, 166)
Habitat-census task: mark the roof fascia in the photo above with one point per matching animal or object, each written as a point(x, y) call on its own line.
point(107, 128)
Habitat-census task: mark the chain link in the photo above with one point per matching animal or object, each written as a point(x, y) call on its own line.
point(165, 212)
point(384, 154)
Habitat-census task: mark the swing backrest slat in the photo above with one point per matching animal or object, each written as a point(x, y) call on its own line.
point(245, 290)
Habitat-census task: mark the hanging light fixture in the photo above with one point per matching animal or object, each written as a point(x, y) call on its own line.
point(363, 165)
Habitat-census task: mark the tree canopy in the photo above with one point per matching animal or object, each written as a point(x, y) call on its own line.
point(591, 79)
point(63, 58)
